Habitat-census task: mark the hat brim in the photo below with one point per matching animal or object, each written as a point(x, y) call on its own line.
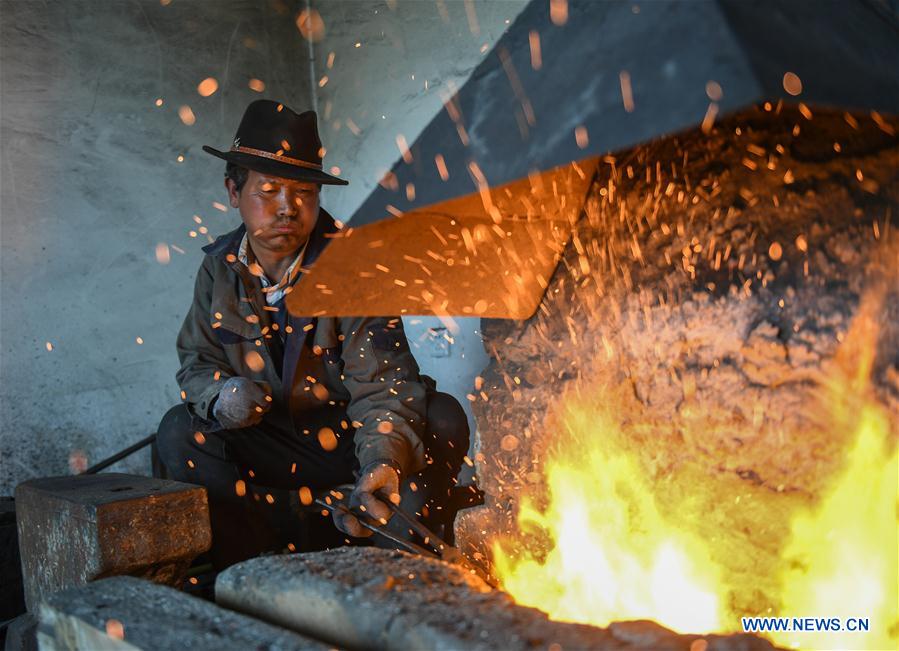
point(274, 167)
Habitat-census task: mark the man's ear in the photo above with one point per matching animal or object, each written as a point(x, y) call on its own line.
point(233, 194)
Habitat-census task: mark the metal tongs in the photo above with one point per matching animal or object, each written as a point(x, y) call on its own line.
point(437, 547)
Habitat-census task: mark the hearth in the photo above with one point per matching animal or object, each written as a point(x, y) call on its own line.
point(699, 422)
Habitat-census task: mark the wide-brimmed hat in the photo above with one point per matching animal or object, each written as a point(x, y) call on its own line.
point(273, 139)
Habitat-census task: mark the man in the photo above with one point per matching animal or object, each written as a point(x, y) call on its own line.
point(279, 405)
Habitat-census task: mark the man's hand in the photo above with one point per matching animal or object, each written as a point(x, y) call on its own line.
point(377, 481)
point(241, 403)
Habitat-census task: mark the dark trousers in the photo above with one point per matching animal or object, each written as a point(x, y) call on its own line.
point(253, 478)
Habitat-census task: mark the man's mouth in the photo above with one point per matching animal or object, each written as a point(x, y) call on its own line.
point(284, 228)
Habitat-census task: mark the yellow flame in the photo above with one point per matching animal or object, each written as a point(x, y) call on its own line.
point(613, 540)
point(614, 556)
point(841, 559)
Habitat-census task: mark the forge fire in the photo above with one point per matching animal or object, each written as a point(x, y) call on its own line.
point(708, 473)
point(512, 324)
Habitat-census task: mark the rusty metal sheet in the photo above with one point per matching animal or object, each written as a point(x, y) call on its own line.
point(487, 254)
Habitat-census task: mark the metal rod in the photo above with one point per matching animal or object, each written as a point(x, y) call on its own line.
point(119, 455)
point(364, 520)
point(427, 535)
point(445, 551)
point(197, 570)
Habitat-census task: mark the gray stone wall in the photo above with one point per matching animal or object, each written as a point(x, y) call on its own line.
point(92, 184)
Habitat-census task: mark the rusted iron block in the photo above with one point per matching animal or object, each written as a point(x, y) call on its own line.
point(124, 613)
point(77, 529)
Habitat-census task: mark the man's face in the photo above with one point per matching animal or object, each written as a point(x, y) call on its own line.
point(279, 213)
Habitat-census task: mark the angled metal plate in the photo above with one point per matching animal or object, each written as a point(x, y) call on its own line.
point(487, 254)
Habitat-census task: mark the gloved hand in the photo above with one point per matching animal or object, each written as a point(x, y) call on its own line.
point(241, 403)
point(378, 481)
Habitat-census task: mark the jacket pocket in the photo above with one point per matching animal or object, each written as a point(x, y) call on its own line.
point(229, 338)
point(231, 329)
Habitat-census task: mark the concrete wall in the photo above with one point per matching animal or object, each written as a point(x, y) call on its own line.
point(91, 185)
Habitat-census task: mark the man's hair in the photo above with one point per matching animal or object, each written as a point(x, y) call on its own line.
point(240, 174)
point(237, 174)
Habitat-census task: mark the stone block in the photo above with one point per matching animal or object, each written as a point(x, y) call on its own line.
point(77, 529)
point(123, 612)
point(369, 598)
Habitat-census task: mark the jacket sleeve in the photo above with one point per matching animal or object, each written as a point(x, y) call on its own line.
point(387, 396)
point(204, 366)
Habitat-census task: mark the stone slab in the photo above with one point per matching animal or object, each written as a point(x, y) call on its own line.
point(128, 613)
point(368, 598)
point(77, 529)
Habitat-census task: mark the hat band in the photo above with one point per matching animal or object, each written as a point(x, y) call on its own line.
point(283, 159)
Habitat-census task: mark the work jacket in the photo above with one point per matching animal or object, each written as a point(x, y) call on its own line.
point(353, 375)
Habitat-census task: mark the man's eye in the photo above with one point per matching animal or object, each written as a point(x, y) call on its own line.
point(268, 187)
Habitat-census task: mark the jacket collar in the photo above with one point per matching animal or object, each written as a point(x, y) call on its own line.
point(318, 239)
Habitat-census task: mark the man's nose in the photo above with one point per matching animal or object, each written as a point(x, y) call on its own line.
point(287, 204)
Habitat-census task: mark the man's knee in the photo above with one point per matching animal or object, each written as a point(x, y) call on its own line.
point(173, 439)
point(447, 434)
